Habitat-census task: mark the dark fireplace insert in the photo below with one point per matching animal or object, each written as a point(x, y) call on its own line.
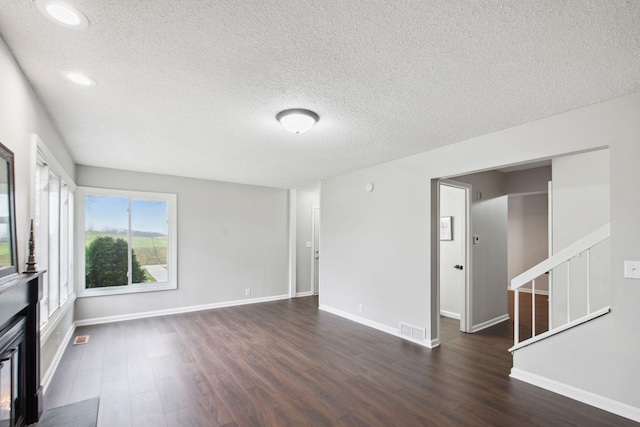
point(20, 391)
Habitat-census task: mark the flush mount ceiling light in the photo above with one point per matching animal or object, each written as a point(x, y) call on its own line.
point(63, 13)
point(79, 78)
point(297, 120)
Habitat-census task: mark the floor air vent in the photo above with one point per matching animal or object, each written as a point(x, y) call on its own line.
point(81, 339)
point(412, 331)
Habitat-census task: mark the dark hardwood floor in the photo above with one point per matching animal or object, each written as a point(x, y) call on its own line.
point(287, 364)
point(542, 313)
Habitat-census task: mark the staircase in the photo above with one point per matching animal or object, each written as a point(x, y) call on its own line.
point(563, 261)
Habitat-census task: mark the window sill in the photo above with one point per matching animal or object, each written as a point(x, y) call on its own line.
point(52, 323)
point(128, 289)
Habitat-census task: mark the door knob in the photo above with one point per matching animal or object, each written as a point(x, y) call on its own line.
point(459, 267)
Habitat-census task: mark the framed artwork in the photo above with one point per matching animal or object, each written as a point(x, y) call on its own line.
point(446, 232)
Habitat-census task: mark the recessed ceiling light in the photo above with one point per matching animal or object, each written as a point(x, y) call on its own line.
point(63, 13)
point(297, 120)
point(80, 78)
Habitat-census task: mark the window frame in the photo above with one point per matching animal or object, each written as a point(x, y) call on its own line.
point(41, 155)
point(172, 259)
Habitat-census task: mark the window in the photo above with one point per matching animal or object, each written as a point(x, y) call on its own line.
point(127, 241)
point(53, 230)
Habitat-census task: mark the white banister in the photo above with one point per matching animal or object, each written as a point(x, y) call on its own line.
point(567, 253)
point(563, 257)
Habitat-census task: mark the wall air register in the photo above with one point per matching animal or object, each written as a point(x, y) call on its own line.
point(412, 331)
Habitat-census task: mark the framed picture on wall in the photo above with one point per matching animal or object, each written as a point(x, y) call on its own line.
point(445, 228)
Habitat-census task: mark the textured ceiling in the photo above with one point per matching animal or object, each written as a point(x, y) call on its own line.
point(191, 88)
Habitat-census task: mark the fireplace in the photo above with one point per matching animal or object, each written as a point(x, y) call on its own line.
point(12, 370)
point(20, 391)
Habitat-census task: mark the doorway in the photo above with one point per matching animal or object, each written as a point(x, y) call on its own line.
point(315, 252)
point(454, 260)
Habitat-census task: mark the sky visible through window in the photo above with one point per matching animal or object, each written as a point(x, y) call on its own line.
point(104, 213)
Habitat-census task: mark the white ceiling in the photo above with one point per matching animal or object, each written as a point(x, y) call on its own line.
point(191, 88)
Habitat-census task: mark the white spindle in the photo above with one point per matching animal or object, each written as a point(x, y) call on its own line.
point(550, 300)
point(533, 308)
point(588, 281)
point(568, 291)
point(516, 322)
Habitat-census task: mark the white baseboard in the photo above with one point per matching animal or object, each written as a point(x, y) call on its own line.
point(489, 323)
point(179, 310)
point(449, 314)
point(378, 326)
point(304, 294)
point(48, 376)
point(601, 402)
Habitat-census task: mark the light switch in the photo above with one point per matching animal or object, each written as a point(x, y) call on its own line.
point(632, 269)
point(308, 243)
point(476, 240)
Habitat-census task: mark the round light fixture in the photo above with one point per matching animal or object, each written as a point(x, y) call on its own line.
point(63, 13)
point(297, 120)
point(79, 78)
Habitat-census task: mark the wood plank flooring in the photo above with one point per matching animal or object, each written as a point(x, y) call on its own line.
point(542, 313)
point(286, 363)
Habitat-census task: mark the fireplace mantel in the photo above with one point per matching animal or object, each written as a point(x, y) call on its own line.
point(20, 298)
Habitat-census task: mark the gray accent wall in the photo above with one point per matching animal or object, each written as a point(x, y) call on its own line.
point(377, 247)
point(230, 237)
point(21, 115)
point(528, 235)
point(489, 222)
point(527, 181)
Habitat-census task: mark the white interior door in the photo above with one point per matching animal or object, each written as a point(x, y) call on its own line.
point(315, 262)
point(453, 253)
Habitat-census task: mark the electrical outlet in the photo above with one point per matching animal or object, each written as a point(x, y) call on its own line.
point(247, 292)
point(632, 269)
point(361, 308)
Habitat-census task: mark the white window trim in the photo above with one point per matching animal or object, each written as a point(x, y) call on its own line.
point(39, 149)
point(172, 247)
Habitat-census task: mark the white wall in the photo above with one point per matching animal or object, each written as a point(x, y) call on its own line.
point(580, 206)
point(21, 115)
point(377, 246)
point(528, 235)
point(305, 201)
point(580, 186)
point(230, 237)
point(489, 297)
point(601, 356)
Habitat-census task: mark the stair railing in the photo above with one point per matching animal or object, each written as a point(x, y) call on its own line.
point(564, 256)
